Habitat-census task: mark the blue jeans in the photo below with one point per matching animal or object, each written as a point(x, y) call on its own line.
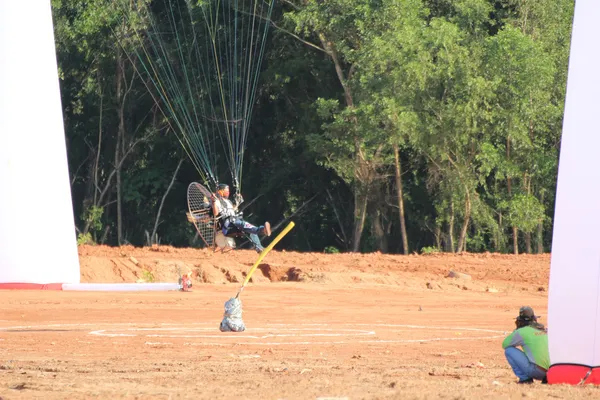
point(245, 227)
point(521, 366)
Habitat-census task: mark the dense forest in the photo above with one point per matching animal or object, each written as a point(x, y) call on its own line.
point(397, 126)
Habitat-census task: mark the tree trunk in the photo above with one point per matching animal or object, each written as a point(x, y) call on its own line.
point(344, 238)
point(527, 242)
point(438, 237)
point(500, 233)
point(97, 162)
point(360, 200)
point(379, 232)
point(451, 228)
point(360, 214)
point(527, 188)
point(540, 232)
point(118, 144)
point(509, 188)
point(400, 194)
point(107, 185)
point(162, 202)
point(92, 186)
point(119, 206)
point(495, 240)
point(462, 240)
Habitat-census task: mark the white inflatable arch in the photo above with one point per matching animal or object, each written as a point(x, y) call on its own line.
point(574, 294)
point(38, 246)
point(37, 230)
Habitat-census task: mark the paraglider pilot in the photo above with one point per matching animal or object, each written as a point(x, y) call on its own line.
point(534, 360)
point(231, 220)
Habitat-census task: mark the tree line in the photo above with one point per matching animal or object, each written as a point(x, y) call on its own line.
point(379, 125)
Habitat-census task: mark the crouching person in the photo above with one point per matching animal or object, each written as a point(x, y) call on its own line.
point(534, 360)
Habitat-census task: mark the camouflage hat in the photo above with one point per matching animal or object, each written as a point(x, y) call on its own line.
point(526, 314)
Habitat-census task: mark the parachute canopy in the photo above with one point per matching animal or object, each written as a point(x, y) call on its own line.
point(201, 62)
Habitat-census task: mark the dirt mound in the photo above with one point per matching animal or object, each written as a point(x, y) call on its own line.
point(446, 272)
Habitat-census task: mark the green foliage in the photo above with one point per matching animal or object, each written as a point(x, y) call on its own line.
point(331, 250)
point(93, 216)
point(524, 211)
point(471, 91)
point(147, 276)
point(429, 250)
point(85, 238)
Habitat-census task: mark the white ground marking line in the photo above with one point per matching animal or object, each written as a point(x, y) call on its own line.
point(8, 328)
point(397, 341)
point(433, 327)
point(271, 326)
point(97, 324)
point(449, 328)
point(375, 341)
point(333, 398)
point(252, 329)
point(245, 335)
point(101, 333)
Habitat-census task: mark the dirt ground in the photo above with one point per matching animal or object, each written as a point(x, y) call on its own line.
point(346, 326)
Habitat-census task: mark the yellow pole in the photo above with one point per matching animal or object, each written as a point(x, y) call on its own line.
point(264, 253)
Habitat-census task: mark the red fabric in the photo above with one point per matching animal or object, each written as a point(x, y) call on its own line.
point(31, 286)
point(573, 374)
point(594, 378)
